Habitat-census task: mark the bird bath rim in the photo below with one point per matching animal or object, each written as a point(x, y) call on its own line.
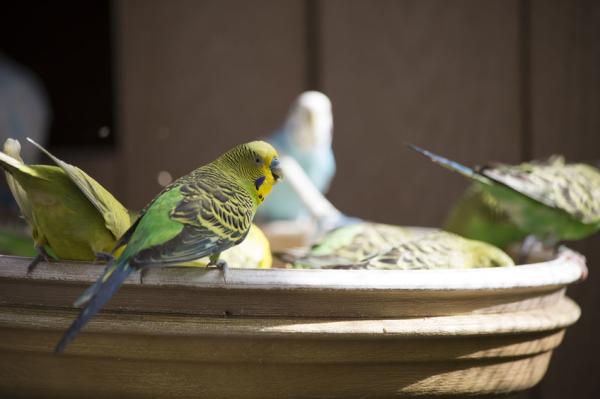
point(565, 269)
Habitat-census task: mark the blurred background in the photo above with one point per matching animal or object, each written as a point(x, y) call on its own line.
point(133, 90)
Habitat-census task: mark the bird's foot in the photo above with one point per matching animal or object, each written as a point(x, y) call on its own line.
point(222, 266)
point(104, 256)
point(42, 256)
point(34, 263)
point(143, 272)
point(526, 248)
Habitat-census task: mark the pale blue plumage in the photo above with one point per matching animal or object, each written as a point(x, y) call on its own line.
point(305, 136)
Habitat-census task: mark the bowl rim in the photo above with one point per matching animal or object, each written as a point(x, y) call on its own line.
point(566, 268)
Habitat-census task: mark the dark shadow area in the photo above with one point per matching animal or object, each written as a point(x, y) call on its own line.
point(67, 44)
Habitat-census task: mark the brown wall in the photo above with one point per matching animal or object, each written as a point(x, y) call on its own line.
point(421, 72)
point(477, 81)
point(565, 118)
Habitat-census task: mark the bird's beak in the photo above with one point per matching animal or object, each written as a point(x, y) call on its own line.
point(276, 169)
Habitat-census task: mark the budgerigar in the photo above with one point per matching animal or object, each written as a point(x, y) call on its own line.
point(351, 243)
point(552, 201)
point(477, 214)
point(437, 250)
point(200, 214)
point(306, 137)
point(69, 212)
point(433, 250)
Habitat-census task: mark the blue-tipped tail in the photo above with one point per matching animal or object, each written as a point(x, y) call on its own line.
point(93, 289)
point(452, 165)
point(102, 295)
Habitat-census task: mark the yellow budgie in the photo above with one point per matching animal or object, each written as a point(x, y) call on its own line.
point(68, 211)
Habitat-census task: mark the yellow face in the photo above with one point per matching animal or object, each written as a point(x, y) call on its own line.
point(266, 168)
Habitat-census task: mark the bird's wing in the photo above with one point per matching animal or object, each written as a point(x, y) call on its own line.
point(214, 217)
point(572, 188)
point(190, 244)
point(438, 250)
point(115, 215)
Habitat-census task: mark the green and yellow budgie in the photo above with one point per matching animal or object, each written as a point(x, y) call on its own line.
point(477, 214)
point(350, 243)
point(68, 212)
point(552, 201)
point(385, 247)
point(200, 214)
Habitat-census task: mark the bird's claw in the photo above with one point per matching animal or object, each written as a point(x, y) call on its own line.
point(222, 266)
point(41, 256)
point(34, 263)
point(143, 272)
point(104, 256)
point(526, 249)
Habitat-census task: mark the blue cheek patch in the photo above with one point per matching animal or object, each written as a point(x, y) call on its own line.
point(259, 182)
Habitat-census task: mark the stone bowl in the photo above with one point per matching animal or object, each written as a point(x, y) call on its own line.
point(285, 333)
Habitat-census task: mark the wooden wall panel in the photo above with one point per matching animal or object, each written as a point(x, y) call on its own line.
point(197, 77)
point(565, 99)
point(565, 78)
point(441, 74)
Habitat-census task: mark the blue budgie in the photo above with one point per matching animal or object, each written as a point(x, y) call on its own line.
point(306, 137)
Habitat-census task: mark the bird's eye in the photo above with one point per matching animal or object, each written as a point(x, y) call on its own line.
point(257, 159)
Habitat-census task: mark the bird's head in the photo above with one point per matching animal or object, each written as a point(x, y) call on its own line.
point(12, 148)
point(257, 163)
point(310, 121)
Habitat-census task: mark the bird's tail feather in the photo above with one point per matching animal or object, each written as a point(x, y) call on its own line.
point(452, 165)
point(103, 292)
point(89, 293)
